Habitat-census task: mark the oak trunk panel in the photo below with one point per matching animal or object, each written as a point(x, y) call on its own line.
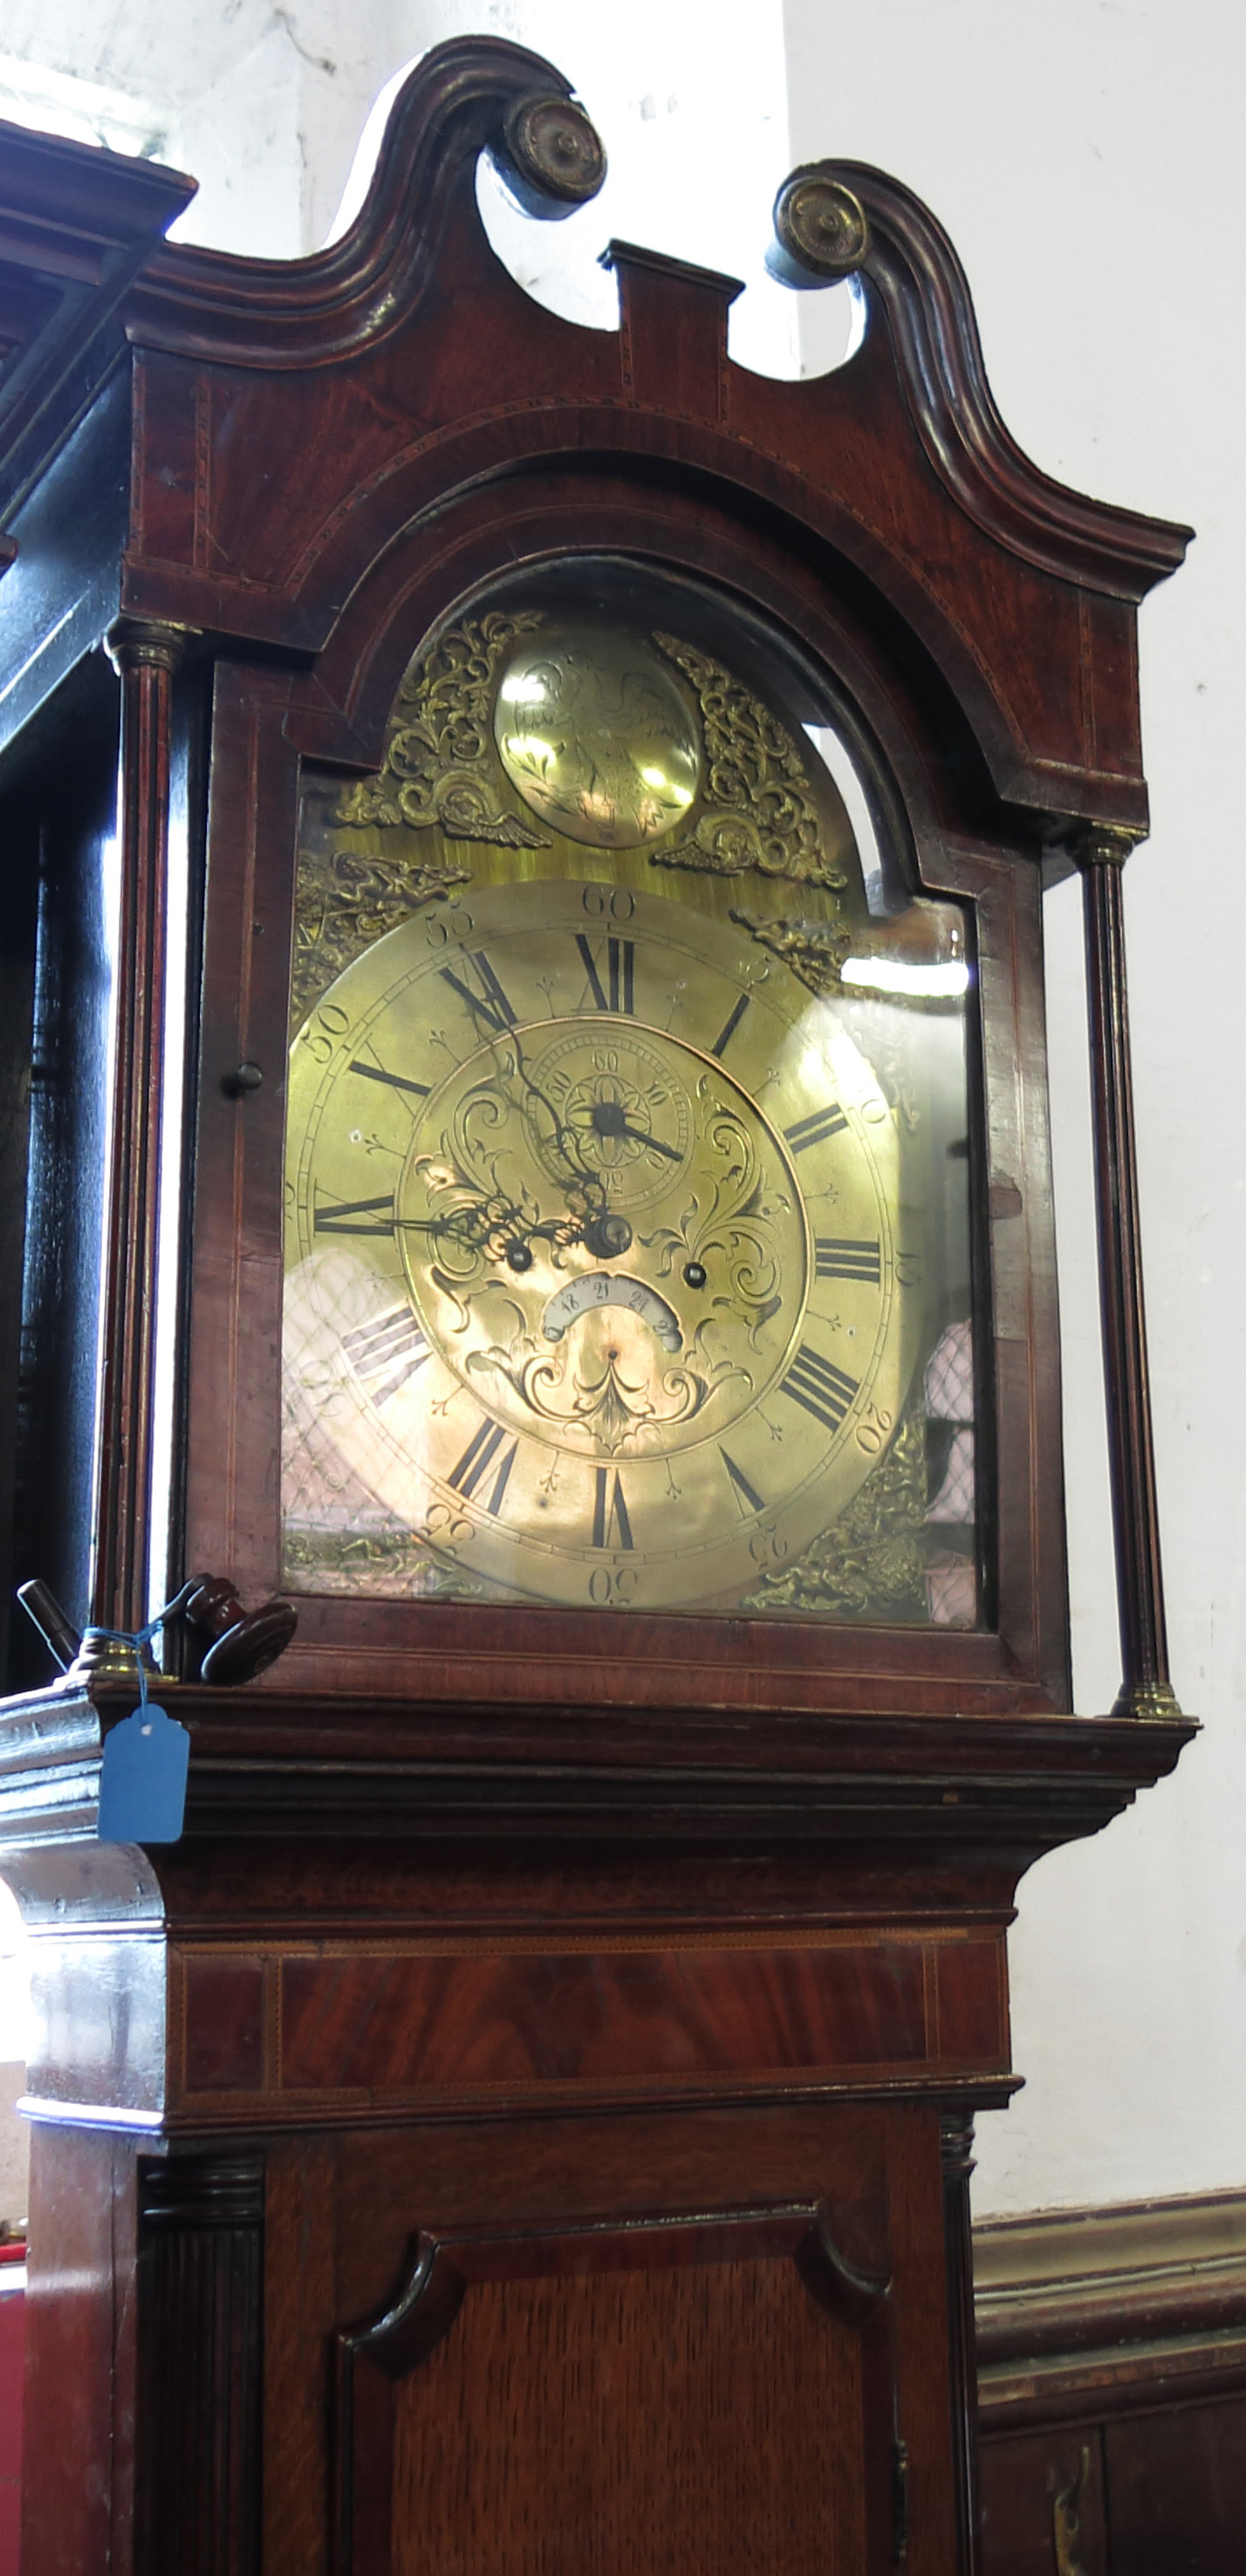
point(702, 2421)
point(532, 2174)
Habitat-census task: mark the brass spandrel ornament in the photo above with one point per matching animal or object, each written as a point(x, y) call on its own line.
point(439, 766)
point(348, 898)
point(814, 950)
point(873, 1563)
point(608, 1268)
point(757, 811)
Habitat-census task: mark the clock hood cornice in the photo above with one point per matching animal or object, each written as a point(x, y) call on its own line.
point(406, 364)
point(369, 285)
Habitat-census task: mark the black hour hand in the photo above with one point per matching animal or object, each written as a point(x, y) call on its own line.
point(608, 1120)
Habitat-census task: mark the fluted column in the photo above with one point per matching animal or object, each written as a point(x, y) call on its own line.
point(1100, 851)
point(146, 657)
point(200, 2324)
point(957, 2134)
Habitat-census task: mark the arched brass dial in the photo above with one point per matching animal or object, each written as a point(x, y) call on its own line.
point(594, 1270)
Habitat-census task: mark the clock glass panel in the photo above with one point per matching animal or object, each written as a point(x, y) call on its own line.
point(628, 1240)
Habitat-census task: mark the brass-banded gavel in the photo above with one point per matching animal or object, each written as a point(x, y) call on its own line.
point(243, 1642)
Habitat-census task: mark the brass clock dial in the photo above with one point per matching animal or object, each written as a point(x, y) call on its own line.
point(627, 1249)
point(595, 1261)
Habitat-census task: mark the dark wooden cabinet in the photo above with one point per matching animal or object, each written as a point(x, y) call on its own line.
point(1112, 2346)
point(523, 2122)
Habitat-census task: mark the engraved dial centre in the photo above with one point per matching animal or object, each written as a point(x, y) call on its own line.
point(585, 1145)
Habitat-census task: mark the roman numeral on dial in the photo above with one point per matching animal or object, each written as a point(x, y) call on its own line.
point(476, 1461)
point(836, 1257)
point(824, 1390)
point(729, 1027)
point(610, 1510)
point(815, 1129)
point(618, 993)
point(490, 1003)
point(387, 1352)
point(355, 1216)
point(746, 1499)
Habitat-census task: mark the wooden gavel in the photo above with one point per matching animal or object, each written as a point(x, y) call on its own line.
point(243, 1642)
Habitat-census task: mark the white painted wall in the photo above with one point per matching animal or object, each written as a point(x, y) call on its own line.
point(1084, 160)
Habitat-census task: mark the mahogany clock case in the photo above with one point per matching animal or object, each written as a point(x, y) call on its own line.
point(236, 1320)
point(607, 1988)
point(766, 574)
point(311, 476)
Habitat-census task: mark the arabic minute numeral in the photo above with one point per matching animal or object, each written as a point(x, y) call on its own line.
point(613, 903)
point(874, 1430)
point(438, 931)
point(824, 1390)
point(325, 1032)
point(612, 1587)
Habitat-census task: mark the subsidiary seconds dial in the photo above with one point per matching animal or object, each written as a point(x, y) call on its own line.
point(592, 1278)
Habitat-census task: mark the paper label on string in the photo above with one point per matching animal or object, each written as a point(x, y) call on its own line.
point(143, 1779)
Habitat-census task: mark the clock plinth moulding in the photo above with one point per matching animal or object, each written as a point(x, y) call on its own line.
point(553, 1988)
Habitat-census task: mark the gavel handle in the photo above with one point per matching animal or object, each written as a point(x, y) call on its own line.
point(41, 1605)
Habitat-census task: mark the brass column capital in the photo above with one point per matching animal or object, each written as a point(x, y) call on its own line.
point(134, 643)
point(1103, 845)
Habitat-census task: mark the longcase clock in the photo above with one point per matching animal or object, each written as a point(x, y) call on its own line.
point(548, 1035)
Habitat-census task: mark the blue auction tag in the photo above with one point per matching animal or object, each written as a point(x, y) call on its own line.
point(143, 1779)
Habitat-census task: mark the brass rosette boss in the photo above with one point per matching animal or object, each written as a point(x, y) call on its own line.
point(820, 232)
point(551, 156)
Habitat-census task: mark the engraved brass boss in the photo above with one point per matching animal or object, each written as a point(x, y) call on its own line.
point(595, 734)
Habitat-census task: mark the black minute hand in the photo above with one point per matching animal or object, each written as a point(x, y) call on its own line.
point(637, 1136)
